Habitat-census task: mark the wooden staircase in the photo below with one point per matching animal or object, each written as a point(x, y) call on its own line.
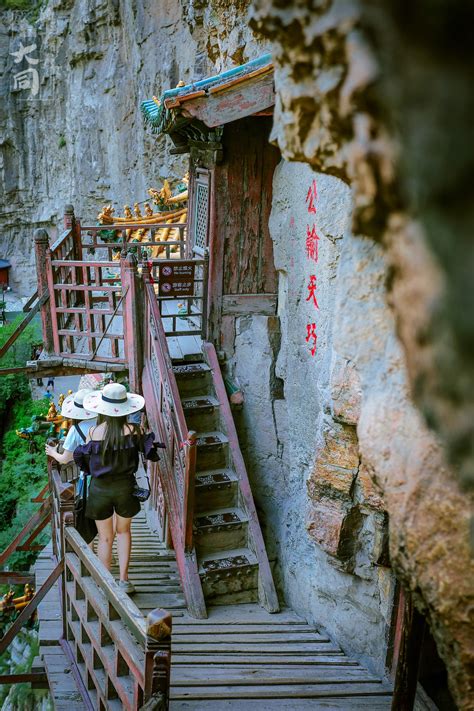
point(232, 561)
point(239, 658)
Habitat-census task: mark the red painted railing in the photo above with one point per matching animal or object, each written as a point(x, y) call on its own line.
point(91, 239)
point(177, 467)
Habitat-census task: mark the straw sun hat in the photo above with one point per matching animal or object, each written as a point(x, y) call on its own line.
point(114, 401)
point(73, 407)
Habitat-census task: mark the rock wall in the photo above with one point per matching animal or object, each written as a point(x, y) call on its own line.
point(337, 112)
point(81, 139)
point(333, 441)
point(324, 521)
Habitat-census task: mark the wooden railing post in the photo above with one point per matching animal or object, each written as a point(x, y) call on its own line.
point(133, 316)
point(73, 224)
point(188, 503)
point(157, 661)
point(408, 653)
point(43, 266)
point(68, 217)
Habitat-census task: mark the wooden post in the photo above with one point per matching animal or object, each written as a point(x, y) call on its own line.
point(68, 217)
point(189, 479)
point(133, 317)
point(205, 295)
point(73, 224)
point(43, 265)
point(157, 661)
point(409, 654)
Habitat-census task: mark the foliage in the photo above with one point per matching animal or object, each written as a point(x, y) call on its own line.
point(16, 386)
point(30, 8)
point(23, 476)
point(61, 142)
point(20, 696)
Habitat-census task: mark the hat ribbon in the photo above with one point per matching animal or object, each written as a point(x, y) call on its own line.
point(114, 401)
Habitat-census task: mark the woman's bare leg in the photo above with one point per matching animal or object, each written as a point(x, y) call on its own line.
point(106, 539)
point(124, 543)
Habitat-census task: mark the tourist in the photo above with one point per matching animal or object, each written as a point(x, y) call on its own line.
point(111, 456)
point(82, 420)
point(38, 350)
point(50, 384)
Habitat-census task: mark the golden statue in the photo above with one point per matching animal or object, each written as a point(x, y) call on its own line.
point(106, 215)
point(166, 214)
point(52, 412)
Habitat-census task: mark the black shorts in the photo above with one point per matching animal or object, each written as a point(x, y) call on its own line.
point(106, 496)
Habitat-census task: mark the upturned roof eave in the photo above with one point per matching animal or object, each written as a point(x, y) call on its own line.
point(162, 114)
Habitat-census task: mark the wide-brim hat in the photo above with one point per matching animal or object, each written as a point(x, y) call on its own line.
point(73, 407)
point(114, 401)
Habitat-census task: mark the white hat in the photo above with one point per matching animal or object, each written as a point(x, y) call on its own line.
point(73, 406)
point(114, 401)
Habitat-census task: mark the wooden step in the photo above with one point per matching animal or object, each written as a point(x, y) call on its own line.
point(229, 573)
point(201, 411)
point(220, 530)
point(211, 450)
point(215, 488)
point(192, 378)
point(199, 404)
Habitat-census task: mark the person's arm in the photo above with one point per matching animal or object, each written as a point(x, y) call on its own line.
point(150, 447)
point(63, 458)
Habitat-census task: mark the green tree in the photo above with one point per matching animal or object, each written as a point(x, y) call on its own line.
point(16, 385)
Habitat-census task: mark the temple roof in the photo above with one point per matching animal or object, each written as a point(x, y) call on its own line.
point(233, 94)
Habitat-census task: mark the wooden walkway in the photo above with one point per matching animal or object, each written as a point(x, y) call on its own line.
point(240, 658)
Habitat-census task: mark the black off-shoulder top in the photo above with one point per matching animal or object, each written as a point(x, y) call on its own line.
point(88, 457)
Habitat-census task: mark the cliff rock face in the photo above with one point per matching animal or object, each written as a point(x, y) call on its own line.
point(339, 113)
point(336, 448)
point(81, 139)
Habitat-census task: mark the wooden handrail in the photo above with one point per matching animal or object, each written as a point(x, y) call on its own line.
point(30, 301)
point(35, 524)
point(189, 482)
point(30, 608)
point(62, 238)
point(124, 606)
point(268, 588)
point(124, 644)
point(177, 468)
point(159, 339)
point(23, 324)
point(135, 226)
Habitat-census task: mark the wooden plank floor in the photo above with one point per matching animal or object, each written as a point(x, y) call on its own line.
point(241, 657)
point(65, 691)
point(180, 347)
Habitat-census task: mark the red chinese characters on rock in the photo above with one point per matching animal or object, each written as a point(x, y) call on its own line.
point(312, 254)
point(311, 197)
point(311, 337)
point(312, 291)
point(312, 246)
